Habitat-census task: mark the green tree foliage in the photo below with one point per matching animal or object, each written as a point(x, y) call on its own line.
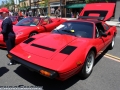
point(44, 4)
point(7, 5)
point(11, 2)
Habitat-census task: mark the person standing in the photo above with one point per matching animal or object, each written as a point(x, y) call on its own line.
point(7, 31)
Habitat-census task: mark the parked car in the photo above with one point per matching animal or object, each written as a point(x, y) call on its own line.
point(30, 26)
point(71, 48)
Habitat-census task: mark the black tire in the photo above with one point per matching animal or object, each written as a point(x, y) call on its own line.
point(87, 67)
point(111, 46)
point(32, 34)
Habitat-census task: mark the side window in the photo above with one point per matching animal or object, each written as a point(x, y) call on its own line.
point(97, 33)
point(50, 21)
point(46, 20)
point(106, 26)
point(99, 29)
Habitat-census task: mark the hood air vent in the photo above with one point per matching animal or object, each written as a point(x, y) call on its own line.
point(68, 50)
point(43, 47)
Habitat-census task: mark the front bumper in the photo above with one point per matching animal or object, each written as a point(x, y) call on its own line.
point(33, 67)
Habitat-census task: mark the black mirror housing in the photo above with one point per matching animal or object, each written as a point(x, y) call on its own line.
point(104, 34)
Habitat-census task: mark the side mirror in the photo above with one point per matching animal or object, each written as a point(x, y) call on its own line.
point(44, 23)
point(104, 34)
point(108, 33)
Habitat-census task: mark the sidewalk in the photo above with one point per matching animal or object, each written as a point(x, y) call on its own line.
point(112, 23)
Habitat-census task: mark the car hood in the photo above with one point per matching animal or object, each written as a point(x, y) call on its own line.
point(48, 45)
point(105, 10)
point(50, 50)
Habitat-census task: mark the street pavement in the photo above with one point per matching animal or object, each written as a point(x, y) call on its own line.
point(105, 75)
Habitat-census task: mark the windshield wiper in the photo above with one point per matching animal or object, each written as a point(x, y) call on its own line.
point(70, 31)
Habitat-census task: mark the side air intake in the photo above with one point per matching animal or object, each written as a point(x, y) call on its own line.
point(29, 40)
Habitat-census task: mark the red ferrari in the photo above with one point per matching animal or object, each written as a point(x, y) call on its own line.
point(13, 18)
point(70, 48)
point(30, 26)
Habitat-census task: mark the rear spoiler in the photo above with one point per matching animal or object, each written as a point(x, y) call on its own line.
point(91, 17)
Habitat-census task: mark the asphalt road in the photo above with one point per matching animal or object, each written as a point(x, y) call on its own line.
point(105, 75)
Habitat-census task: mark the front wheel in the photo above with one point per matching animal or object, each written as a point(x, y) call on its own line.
point(88, 65)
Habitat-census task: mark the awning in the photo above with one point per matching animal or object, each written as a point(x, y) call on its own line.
point(75, 6)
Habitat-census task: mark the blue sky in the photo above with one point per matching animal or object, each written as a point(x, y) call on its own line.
point(8, 0)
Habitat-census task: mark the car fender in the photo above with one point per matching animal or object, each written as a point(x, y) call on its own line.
point(75, 60)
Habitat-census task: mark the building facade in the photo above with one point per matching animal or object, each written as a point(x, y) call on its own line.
point(54, 4)
point(69, 8)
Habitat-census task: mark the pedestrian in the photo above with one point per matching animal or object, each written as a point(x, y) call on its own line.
point(58, 13)
point(7, 31)
point(119, 18)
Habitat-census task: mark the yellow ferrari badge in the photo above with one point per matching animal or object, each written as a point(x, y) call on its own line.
point(72, 30)
point(29, 56)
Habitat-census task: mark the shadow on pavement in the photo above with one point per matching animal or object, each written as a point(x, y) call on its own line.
point(49, 84)
point(3, 48)
point(3, 70)
point(100, 56)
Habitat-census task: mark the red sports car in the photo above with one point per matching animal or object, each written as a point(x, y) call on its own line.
point(70, 48)
point(13, 18)
point(30, 26)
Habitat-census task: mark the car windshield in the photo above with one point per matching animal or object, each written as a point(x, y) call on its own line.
point(30, 21)
point(78, 29)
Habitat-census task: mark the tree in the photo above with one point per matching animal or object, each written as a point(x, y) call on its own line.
point(12, 4)
point(7, 5)
point(44, 6)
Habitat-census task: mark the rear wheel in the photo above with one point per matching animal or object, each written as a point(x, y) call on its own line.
point(88, 65)
point(32, 34)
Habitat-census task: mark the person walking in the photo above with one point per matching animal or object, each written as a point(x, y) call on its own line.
point(58, 13)
point(7, 31)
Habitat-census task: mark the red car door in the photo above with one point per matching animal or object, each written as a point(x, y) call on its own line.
point(49, 25)
point(102, 30)
point(98, 41)
point(108, 30)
